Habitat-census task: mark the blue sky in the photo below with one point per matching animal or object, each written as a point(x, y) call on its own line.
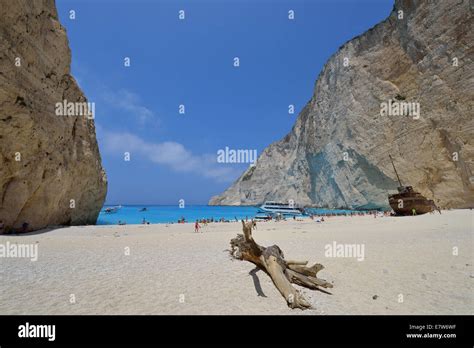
point(191, 62)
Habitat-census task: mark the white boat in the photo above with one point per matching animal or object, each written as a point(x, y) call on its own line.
point(264, 216)
point(282, 208)
point(112, 210)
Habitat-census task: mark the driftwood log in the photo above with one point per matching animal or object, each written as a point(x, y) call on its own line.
point(283, 272)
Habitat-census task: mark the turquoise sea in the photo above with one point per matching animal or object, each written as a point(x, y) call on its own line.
point(131, 214)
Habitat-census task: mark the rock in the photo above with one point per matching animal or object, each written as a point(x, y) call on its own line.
point(50, 166)
point(336, 155)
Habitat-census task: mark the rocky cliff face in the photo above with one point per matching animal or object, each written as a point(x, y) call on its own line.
point(50, 167)
point(336, 155)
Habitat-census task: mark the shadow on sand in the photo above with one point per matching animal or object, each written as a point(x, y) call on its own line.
point(33, 233)
point(256, 282)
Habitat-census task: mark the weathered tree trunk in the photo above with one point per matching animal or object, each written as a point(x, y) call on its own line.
point(282, 272)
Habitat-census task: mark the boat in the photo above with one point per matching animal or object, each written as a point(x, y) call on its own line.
point(112, 210)
point(143, 209)
point(264, 216)
point(407, 201)
point(282, 208)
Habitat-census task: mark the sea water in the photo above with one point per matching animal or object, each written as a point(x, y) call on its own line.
point(131, 214)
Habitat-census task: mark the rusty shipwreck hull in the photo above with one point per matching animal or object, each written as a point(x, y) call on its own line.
point(403, 204)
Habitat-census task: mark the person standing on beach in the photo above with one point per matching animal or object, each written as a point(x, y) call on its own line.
point(197, 226)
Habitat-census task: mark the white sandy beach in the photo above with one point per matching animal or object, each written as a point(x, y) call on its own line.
point(412, 256)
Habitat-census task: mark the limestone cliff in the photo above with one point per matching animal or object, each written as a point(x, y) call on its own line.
point(336, 155)
point(50, 167)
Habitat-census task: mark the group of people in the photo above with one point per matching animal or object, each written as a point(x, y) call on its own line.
point(182, 220)
point(374, 213)
point(315, 217)
point(207, 221)
point(199, 223)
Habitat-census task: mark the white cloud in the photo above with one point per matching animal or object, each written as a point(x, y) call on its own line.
point(171, 154)
point(130, 102)
point(121, 99)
